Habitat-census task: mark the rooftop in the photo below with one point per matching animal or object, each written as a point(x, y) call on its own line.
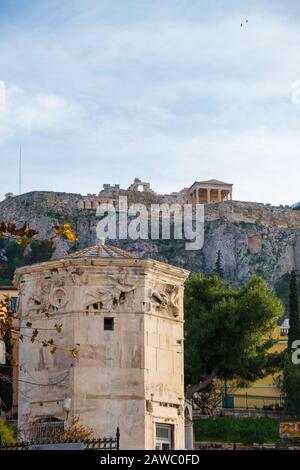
point(102, 251)
point(99, 255)
point(217, 182)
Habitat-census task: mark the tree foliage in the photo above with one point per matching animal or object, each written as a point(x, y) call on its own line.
point(228, 331)
point(74, 433)
point(291, 374)
point(291, 385)
point(219, 271)
point(40, 250)
point(6, 433)
point(294, 312)
point(24, 236)
point(209, 399)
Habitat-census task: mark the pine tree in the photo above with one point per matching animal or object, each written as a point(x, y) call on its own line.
point(218, 266)
point(294, 330)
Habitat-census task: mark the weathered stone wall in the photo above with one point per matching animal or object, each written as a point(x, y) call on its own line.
point(252, 212)
point(39, 203)
point(141, 197)
point(131, 377)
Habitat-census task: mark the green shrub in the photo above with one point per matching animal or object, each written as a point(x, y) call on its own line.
point(40, 250)
point(244, 430)
point(6, 433)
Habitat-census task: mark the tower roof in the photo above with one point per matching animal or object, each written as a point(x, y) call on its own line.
point(99, 255)
point(102, 251)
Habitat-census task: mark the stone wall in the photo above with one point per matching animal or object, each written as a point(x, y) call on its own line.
point(39, 203)
point(130, 377)
point(253, 213)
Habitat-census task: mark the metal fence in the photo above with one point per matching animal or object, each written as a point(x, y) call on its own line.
point(256, 402)
point(110, 443)
point(245, 403)
point(46, 430)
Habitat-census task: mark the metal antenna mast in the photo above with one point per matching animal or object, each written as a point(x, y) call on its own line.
point(20, 170)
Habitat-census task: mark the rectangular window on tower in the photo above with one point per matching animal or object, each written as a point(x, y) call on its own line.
point(108, 324)
point(164, 436)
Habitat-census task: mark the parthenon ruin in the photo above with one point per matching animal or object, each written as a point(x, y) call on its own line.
point(206, 192)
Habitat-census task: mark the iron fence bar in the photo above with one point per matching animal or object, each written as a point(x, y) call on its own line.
point(118, 438)
point(112, 443)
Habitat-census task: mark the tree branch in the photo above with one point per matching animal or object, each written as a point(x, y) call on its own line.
point(204, 382)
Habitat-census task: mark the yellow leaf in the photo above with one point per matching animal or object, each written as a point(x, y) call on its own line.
point(68, 227)
point(70, 236)
point(58, 327)
point(74, 353)
point(66, 232)
point(23, 242)
point(57, 229)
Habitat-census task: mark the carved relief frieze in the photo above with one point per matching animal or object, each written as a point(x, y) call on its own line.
point(166, 298)
point(38, 299)
point(112, 294)
point(48, 298)
point(58, 298)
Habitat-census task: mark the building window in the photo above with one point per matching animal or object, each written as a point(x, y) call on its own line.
point(108, 324)
point(164, 437)
point(284, 331)
point(13, 304)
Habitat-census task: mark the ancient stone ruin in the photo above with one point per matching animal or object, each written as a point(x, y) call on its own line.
point(125, 316)
point(201, 192)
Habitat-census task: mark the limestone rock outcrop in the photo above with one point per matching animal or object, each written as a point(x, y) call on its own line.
point(252, 237)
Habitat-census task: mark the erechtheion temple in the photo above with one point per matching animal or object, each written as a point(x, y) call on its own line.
point(206, 192)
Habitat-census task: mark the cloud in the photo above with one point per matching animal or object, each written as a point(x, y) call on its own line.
point(41, 114)
point(99, 91)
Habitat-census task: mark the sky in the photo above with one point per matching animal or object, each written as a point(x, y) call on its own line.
point(170, 91)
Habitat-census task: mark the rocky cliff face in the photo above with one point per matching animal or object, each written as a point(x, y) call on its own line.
point(252, 238)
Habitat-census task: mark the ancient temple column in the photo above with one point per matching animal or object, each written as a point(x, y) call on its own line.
point(208, 196)
point(198, 196)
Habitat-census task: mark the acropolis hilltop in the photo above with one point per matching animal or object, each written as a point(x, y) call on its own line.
point(200, 192)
